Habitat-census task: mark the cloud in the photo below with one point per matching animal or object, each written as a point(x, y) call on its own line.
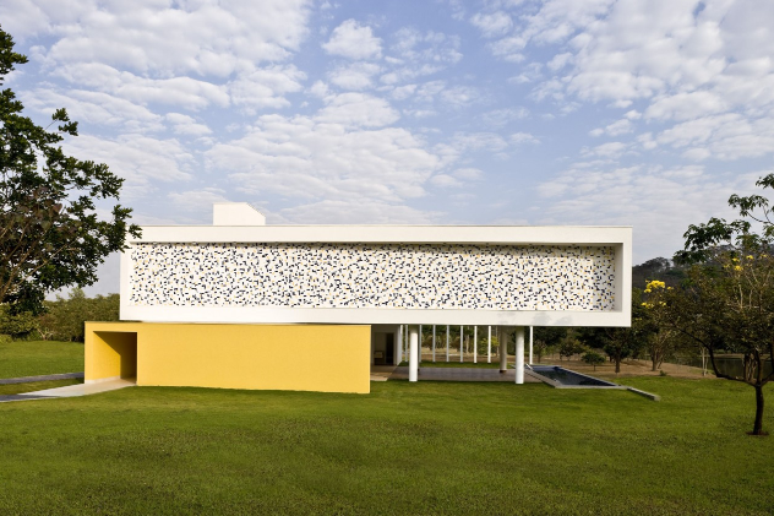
point(357, 109)
point(659, 202)
point(470, 174)
point(359, 211)
point(152, 37)
point(266, 87)
point(327, 157)
point(354, 76)
point(181, 91)
point(617, 128)
point(94, 108)
point(492, 24)
point(186, 125)
point(610, 150)
point(197, 204)
point(141, 160)
point(353, 41)
point(523, 138)
point(445, 181)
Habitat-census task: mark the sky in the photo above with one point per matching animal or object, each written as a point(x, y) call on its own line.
point(647, 113)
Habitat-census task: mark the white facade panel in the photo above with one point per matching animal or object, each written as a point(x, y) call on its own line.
point(379, 275)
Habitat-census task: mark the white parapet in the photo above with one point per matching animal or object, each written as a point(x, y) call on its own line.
point(236, 214)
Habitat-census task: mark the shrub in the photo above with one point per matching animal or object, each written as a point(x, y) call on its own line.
point(593, 358)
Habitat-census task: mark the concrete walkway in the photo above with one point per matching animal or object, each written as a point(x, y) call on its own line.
point(457, 374)
point(70, 391)
point(43, 378)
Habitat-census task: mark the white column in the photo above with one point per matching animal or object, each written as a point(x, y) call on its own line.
point(503, 350)
point(475, 344)
point(421, 338)
point(489, 345)
point(405, 342)
point(434, 343)
point(520, 355)
point(531, 335)
point(399, 345)
point(413, 353)
point(447, 342)
point(462, 347)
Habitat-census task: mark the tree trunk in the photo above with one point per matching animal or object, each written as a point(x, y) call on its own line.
point(617, 365)
point(758, 428)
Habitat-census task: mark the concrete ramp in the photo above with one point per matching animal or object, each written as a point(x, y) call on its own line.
point(70, 391)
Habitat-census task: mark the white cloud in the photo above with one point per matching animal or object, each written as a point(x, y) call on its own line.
point(354, 41)
point(610, 150)
point(319, 159)
point(354, 76)
point(659, 202)
point(617, 128)
point(179, 91)
point(197, 204)
point(266, 87)
point(358, 211)
point(492, 24)
point(141, 160)
point(523, 138)
point(95, 108)
point(445, 181)
point(501, 117)
point(357, 109)
point(470, 174)
point(159, 37)
point(186, 125)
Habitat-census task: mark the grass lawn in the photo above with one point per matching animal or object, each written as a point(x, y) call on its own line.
point(426, 448)
point(40, 357)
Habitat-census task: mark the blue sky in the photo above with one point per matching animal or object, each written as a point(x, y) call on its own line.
point(599, 112)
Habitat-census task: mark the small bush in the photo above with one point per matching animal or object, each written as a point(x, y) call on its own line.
point(593, 358)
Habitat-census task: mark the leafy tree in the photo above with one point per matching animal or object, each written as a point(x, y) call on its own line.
point(727, 304)
point(661, 269)
point(661, 338)
point(571, 345)
point(619, 342)
point(64, 318)
point(17, 325)
point(546, 339)
point(50, 236)
point(593, 358)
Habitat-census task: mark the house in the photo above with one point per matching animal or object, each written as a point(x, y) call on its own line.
point(242, 304)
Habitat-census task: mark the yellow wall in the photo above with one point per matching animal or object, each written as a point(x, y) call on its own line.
point(324, 358)
point(110, 354)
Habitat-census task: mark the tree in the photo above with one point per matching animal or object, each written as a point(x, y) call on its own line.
point(593, 358)
point(50, 235)
point(571, 345)
point(546, 339)
point(64, 318)
point(619, 342)
point(727, 302)
point(661, 337)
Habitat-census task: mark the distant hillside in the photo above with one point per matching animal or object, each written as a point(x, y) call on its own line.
point(662, 269)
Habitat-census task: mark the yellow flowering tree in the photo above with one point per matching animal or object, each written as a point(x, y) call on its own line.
point(727, 303)
point(660, 335)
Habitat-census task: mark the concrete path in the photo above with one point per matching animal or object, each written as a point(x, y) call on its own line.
point(43, 378)
point(81, 389)
point(460, 374)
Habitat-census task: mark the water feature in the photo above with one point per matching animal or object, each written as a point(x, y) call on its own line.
point(566, 378)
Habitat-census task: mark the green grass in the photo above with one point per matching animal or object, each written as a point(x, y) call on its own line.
point(34, 358)
point(425, 448)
